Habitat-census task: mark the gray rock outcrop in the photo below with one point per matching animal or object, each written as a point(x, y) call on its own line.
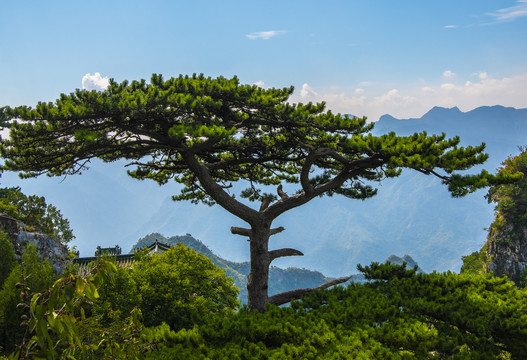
point(507, 255)
point(49, 247)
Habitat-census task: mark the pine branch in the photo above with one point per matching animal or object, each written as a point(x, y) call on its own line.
point(285, 297)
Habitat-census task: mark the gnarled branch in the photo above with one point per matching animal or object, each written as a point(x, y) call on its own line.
point(265, 203)
point(215, 191)
point(304, 174)
point(241, 231)
point(281, 192)
point(285, 297)
point(273, 254)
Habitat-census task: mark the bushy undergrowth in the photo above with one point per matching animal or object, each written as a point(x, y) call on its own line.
point(405, 316)
point(399, 314)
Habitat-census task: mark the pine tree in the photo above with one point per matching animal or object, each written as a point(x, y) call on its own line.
point(209, 133)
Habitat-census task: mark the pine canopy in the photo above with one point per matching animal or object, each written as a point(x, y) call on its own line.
point(235, 132)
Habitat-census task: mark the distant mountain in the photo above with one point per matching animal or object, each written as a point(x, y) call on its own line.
point(413, 214)
point(410, 263)
point(503, 129)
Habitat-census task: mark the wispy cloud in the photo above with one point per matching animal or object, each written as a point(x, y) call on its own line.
point(260, 83)
point(264, 35)
point(95, 82)
point(448, 74)
point(359, 91)
point(450, 26)
point(511, 13)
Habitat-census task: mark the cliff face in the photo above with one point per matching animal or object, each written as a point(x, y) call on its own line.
point(507, 255)
point(49, 247)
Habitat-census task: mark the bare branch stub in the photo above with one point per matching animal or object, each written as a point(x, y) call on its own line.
point(240, 231)
point(276, 230)
point(273, 254)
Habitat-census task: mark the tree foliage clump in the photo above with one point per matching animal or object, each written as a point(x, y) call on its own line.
point(35, 213)
point(179, 287)
point(208, 133)
point(51, 319)
point(109, 311)
point(7, 257)
point(475, 263)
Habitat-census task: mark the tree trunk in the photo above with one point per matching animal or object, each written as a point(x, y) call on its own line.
point(257, 284)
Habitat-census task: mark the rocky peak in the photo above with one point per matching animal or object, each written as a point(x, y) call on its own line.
point(410, 263)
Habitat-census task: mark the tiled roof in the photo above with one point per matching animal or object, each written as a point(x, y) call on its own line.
point(122, 260)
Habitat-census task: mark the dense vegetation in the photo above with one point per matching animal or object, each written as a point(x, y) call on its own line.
point(180, 288)
point(18, 281)
point(209, 133)
point(400, 314)
point(29, 274)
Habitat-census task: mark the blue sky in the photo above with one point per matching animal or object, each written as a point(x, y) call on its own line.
point(362, 57)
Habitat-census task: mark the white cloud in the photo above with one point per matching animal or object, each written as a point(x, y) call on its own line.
point(95, 82)
point(511, 13)
point(394, 97)
point(448, 74)
point(264, 35)
point(260, 84)
point(414, 102)
point(450, 26)
point(447, 86)
point(427, 89)
point(307, 91)
point(359, 91)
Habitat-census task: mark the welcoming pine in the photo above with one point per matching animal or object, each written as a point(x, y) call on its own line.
point(208, 133)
